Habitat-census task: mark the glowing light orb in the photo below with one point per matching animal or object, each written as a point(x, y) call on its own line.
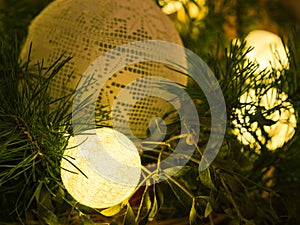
point(278, 124)
point(268, 50)
point(88, 186)
point(256, 117)
point(196, 9)
point(172, 7)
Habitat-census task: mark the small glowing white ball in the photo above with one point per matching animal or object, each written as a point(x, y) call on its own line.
point(88, 186)
point(268, 50)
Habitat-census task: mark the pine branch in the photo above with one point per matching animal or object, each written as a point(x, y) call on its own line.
point(32, 131)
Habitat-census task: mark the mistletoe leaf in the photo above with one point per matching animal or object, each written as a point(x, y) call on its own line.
point(129, 216)
point(111, 211)
point(206, 180)
point(194, 217)
point(86, 220)
point(208, 210)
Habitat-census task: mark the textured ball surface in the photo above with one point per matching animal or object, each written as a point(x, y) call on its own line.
point(85, 30)
point(88, 186)
point(268, 50)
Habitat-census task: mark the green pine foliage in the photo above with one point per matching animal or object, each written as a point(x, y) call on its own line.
point(242, 186)
point(32, 137)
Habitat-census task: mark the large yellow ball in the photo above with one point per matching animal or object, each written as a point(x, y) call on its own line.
point(85, 30)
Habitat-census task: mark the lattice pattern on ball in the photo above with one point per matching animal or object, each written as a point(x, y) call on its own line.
point(85, 29)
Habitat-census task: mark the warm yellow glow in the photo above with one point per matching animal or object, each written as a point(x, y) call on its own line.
point(85, 30)
point(280, 130)
point(195, 11)
point(95, 190)
point(268, 52)
point(172, 7)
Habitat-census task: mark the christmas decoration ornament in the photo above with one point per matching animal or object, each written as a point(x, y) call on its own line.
point(260, 116)
point(268, 50)
point(85, 30)
point(106, 149)
point(196, 10)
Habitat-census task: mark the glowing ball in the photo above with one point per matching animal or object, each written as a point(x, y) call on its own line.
point(86, 184)
point(279, 124)
point(172, 7)
point(195, 9)
point(268, 50)
point(85, 30)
